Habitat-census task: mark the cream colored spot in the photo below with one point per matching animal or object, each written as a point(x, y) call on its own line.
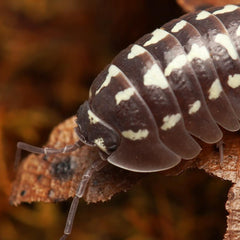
point(157, 36)
point(226, 42)
point(124, 95)
point(139, 135)
point(203, 15)
point(155, 77)
point(90, 93)
point(198, 52)
point(226, 9)
point(100, 143)
point(93, 118)
point(215, 90)
point(177, 63)
point(193, 108)
point(234, 81)
point(113, 71)
point(179, 26)
point(136, 50)
point(170, 121)
point(238, 31)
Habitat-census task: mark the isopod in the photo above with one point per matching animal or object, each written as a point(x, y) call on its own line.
point(181, 80)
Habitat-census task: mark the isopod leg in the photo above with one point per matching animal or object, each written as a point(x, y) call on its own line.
point(220, 148)
point(96, 166)
point(47, 151)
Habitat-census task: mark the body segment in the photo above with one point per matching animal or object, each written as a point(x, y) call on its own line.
point(181, 80)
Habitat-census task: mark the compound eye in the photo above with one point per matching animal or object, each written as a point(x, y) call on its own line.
point(112, 148)
point(93, 131)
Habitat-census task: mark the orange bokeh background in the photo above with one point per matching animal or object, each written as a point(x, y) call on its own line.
point(50, 52)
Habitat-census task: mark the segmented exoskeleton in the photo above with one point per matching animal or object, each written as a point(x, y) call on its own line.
point(181, 80)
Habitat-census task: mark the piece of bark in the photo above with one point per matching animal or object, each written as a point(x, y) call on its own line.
point(233, 208)
point(193, 5)
point(229, 169)
point(57, 178)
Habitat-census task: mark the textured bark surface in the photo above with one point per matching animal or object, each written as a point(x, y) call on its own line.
point(233, 208)
point(56, 178)
point(229, 169)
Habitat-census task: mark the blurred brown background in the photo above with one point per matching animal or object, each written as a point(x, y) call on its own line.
point(50, 52)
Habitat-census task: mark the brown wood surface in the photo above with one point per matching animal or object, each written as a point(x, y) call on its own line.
point(56, 178)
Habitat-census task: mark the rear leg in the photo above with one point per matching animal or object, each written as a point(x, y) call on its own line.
point(219, 146)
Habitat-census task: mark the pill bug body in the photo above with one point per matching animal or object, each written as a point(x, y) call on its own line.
point(179, 81)
point(144, 109)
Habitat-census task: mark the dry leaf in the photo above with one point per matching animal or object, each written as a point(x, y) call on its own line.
point(57, 178)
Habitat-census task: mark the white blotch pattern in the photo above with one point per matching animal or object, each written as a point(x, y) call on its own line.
point(226, 9)
point(157, 36)
point(203, 15)
point(215, 90)
point(139, 135)
point(124, 95)
point(113, 71)
point(198, 52)
point(90, 93)
point(136, 50)
point(226, 42)
point(177, 63)
point(170, 121)
point(193, 108)
point(93, 118)
point(179, 26)
point(238, 31)
point(155, 77)
point(234, 81)
point(100, 143)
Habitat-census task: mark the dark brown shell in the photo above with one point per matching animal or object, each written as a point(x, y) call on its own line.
point(181, 80)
